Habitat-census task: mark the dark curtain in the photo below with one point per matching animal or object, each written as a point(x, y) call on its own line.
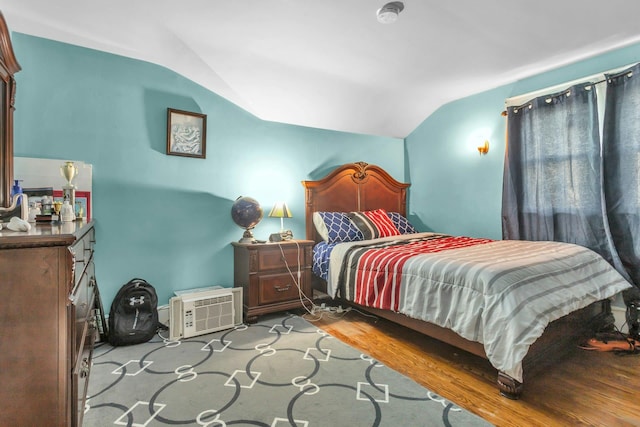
point(552, 187)
point(621, 157)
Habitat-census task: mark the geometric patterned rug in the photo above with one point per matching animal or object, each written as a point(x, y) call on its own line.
point(280, 371)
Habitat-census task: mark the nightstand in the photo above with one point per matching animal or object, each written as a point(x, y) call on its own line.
point(267, 284)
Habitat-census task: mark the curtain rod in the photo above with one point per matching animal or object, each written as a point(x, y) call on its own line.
point(520, 100)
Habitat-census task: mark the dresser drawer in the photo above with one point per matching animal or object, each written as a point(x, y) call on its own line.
point(84, 331)
point(82, 251)
point(80, 377)
point(276, 288)
point(83, 293)
point(276, 255)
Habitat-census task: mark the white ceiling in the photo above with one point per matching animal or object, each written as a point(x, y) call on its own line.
point(328, 63)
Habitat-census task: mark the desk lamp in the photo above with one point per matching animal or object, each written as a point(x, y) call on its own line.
point(281, 210)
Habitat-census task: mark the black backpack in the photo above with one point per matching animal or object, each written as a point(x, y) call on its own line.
point(133, 318)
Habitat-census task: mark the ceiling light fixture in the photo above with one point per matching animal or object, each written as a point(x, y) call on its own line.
point(388, 14)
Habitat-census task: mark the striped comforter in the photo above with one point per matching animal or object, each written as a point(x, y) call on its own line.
point(499, 293)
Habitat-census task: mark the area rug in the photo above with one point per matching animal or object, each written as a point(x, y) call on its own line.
point(281, 371)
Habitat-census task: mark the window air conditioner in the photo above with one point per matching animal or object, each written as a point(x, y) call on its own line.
point(201, 311)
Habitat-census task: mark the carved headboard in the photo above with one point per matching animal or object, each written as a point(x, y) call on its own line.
point(353, 187)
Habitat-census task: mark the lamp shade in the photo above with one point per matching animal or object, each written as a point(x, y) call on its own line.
point(280, 210)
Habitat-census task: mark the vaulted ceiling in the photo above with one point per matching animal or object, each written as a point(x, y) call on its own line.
point(330, 64)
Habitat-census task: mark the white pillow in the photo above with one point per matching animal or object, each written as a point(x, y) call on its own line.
point(321, 228)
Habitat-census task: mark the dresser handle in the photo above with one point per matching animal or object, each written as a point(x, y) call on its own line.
point(282, 289)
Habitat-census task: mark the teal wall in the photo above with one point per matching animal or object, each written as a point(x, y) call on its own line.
point(456, 191)
point(167, 218)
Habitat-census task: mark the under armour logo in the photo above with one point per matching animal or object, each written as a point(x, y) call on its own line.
point(136, 301)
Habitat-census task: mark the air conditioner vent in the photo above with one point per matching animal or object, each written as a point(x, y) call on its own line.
point(198, 312)
point(212, 301)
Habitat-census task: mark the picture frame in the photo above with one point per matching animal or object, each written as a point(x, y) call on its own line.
point(83, 199)
point(38, 196)
point(186, 133)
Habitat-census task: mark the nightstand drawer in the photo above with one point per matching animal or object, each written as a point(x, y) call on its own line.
point(273, 258)
point(276, 288)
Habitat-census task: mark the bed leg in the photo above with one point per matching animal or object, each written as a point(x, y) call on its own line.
point(509, 387)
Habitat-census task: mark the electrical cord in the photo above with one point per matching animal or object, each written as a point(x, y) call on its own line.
point(614, 341)
point(317, 312)
point(301, 295)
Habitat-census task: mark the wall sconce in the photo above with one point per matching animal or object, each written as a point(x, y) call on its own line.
point(483, 149)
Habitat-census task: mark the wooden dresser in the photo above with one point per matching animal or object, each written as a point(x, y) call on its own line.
point(48, 323)
point(268, 274)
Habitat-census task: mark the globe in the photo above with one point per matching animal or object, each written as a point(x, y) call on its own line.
point(247, 213)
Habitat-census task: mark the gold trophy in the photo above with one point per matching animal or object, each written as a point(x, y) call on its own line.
point(56, 208)
point(68, 172)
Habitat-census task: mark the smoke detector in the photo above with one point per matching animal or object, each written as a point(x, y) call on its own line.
point(388, 14)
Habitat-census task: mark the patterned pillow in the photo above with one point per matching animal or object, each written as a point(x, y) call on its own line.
point(321, 252)
point(402, 224)
point(374, 224)
point(336, 227)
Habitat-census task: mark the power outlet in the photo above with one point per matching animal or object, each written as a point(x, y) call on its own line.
point(620, 314)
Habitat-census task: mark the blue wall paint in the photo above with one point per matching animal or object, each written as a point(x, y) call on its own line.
point(167, 218)
point(456, 191)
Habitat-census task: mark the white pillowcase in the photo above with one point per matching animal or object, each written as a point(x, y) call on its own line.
point(321, 228)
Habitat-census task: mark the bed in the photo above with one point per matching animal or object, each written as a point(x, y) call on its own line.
point(479, 295)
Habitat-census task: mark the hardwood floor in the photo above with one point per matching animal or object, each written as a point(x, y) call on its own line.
point(587, 388)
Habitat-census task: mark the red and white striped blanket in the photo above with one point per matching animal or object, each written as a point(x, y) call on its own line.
point(376, 280)
point(500, 293)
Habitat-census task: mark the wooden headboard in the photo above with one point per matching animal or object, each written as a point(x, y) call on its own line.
point(353, 187)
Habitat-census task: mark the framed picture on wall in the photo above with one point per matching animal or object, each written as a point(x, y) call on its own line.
point(186, 133)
